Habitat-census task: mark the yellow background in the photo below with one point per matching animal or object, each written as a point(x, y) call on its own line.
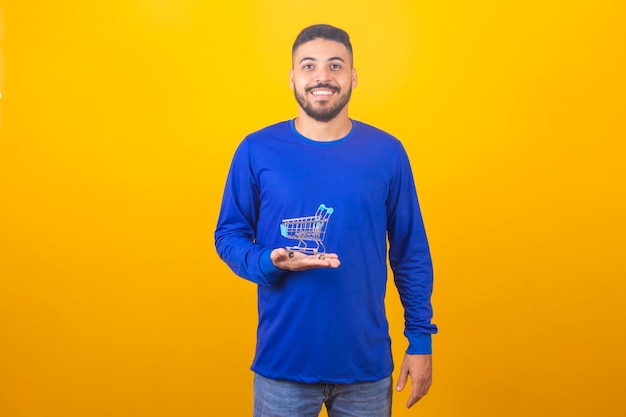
point(118, 121)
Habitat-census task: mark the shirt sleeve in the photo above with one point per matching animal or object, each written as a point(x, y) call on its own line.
point(236, 226)
point(409, 257)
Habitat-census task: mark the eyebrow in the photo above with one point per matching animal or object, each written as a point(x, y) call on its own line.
point(334, 58)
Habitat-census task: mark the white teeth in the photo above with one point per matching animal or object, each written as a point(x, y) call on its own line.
point(321, 92)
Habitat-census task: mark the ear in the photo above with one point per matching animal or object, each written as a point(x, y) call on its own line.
point(354, 78)
point(291, 78)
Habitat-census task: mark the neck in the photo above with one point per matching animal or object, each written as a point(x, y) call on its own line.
point(335, 129)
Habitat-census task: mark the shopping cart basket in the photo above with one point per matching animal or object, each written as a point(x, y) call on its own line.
point(307, 229)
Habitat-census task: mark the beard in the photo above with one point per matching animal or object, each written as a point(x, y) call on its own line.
point(324, 113)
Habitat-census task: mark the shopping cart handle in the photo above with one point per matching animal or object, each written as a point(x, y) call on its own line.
point(323, 207)
point(283, 230)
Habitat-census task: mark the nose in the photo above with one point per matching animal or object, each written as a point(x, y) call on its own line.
point(322, 74)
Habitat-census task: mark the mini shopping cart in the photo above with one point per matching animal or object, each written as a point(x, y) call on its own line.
point(307, 229)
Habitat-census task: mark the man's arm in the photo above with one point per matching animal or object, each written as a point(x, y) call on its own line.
point(410, 260)
point(236, 231)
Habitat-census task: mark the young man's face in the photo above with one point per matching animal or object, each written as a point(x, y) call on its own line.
point(322, 78)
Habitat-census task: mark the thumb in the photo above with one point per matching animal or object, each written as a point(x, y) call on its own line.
point(279, 254)
point(404, 373)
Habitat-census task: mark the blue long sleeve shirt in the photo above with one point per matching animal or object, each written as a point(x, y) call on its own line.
point(328, 325)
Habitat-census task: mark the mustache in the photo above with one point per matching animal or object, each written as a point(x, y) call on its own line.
point(323, 85)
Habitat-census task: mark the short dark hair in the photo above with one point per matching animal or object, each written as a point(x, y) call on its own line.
point(321, 31)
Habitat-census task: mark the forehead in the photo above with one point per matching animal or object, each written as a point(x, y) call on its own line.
point(321, 50)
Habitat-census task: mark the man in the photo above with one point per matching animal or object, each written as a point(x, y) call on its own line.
point(322, 334)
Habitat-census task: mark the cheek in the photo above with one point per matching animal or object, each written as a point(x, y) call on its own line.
point(298, 86)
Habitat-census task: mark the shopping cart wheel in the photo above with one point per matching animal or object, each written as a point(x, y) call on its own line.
point(291, 254)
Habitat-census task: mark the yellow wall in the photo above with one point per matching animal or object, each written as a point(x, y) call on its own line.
point(118, 121)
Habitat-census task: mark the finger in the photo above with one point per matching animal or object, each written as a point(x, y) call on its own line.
point(283, 252)
point(414, 397)
point(279, 255)
point(412, 401)
point(321, 261)
point(418, 391)
point(404, 373)
point(332, 263)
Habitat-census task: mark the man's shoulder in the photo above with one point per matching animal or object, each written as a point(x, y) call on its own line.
point(375, 133)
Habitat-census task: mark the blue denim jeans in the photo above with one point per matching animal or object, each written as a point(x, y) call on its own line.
point(273, 398)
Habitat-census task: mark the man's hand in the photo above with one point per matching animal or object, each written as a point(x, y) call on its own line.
point(301, 262)
point(420, 369)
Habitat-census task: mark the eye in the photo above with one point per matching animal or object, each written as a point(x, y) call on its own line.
point(335, 66)
point(307, 66)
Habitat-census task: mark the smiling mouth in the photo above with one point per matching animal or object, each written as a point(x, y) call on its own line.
point(322, 90)
point(322, 93)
